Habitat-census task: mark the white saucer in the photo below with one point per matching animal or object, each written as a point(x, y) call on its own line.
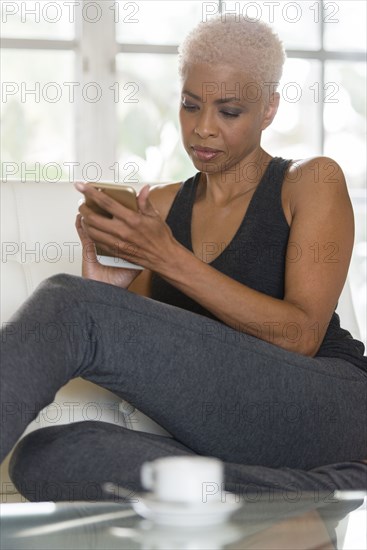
point(148, 534)
point(180, 513)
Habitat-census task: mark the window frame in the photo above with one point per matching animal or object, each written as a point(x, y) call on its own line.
point(95, 47)
point(95, 62)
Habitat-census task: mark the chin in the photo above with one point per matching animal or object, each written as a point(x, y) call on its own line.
point(207, 167)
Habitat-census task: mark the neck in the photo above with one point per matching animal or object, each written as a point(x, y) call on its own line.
point(221, 188)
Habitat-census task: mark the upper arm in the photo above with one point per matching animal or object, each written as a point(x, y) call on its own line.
point(161, 197)
point(320, 243)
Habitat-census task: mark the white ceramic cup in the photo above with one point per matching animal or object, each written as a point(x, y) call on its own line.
point(184, 479)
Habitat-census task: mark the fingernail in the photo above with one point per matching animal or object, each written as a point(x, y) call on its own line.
point(79, 185)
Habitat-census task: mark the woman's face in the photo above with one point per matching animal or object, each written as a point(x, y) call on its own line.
point(222, 115)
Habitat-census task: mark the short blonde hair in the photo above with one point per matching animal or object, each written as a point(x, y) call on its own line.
point(246, 44)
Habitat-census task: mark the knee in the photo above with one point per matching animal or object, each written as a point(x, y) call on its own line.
point(29, 465)
point(61, 284)
point(50, 464)
point(38, 466)
point(53, 293)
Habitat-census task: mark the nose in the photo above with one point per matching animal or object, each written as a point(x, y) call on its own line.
point(205, 125)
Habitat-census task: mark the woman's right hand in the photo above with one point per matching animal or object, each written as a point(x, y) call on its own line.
point(92, 269)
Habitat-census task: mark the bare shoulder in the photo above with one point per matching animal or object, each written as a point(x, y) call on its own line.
point(162, 197)
point(316, 170)
point(314, 181)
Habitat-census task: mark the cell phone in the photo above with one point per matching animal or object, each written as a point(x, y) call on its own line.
point(123, 194)
point(126, 196)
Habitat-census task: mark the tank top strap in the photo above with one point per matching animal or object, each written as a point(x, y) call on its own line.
point(268, 193)
point(179, 215)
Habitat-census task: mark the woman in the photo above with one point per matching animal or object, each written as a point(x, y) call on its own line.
point(237, 350)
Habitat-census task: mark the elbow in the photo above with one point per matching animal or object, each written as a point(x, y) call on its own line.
point(303, 347)
point(309, 342)
point(312, 336)
point(301, 336)
point(309, 350)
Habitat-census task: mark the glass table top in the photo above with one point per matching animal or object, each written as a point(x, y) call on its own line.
point(290, 521)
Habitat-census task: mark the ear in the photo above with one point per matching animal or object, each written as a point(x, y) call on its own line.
point(270, 110)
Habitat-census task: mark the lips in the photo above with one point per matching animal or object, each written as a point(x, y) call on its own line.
point(205, 153)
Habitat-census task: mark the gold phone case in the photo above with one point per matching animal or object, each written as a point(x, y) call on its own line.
point(123, 194)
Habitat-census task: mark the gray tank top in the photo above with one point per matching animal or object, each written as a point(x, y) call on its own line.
point(254, 257)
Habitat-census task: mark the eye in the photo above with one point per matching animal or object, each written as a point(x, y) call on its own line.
point(229, 114)
point(189, 106)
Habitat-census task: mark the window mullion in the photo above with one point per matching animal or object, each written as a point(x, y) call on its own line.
point(78, 109)
point(96, 131)
point(322, 78)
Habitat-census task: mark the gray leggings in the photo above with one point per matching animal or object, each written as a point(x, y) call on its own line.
point(217, 391)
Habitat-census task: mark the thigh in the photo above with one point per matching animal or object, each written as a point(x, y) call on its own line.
point(218, 391)
point(73, 461)
point(227, 394)
point(259, 482)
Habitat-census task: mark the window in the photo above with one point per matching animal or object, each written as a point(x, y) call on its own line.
point(90, 90)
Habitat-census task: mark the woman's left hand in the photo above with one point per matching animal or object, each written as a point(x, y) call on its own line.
point(139, 237)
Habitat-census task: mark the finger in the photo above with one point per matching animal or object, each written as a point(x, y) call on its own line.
point(145, 206)
point(79, 226)
point(92, 218)
point(86, 211)
point(114, 244)
point(144, 192)
point(102, 230)
point(80, 186)
point(106, 203)
point(83, 235)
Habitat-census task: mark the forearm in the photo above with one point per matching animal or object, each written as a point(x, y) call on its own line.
point(240, 307)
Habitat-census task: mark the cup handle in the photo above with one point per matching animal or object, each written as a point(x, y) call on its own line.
point(147, 475)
